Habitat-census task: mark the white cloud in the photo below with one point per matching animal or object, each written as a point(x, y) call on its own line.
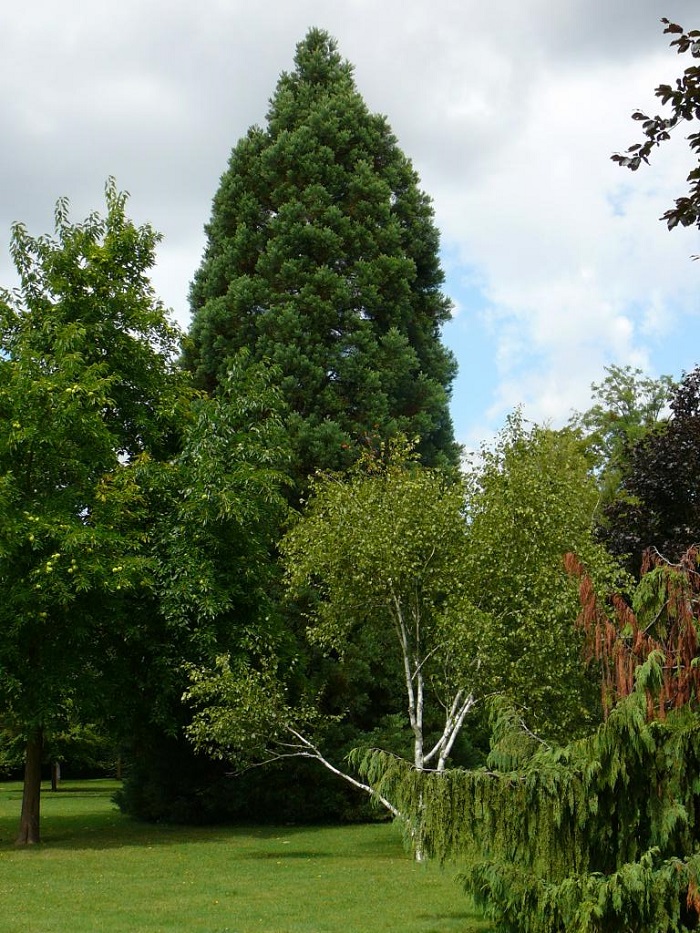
point(509, 110)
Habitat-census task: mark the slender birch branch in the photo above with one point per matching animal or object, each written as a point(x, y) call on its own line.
point(309, 750)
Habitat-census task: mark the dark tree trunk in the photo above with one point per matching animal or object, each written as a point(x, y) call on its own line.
point(55, 775)
point(31, 798)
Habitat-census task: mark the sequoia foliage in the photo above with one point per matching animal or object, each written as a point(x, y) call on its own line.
point(322, 258)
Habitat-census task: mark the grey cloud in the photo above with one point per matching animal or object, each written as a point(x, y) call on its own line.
point(157, 93)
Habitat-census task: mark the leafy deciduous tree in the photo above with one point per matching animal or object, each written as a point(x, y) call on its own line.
point(532, 501)
point(213, 515)
point(629, 405)
point(659, 504)
point(88, 387)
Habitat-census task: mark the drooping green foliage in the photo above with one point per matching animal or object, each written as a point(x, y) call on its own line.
point(598, 835)
point(88, 389)
point(533, 500)
point(322, 257)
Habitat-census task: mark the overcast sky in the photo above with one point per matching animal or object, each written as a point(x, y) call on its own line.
point(510, 109)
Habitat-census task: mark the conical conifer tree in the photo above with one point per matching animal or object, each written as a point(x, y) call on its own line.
point(322, 258)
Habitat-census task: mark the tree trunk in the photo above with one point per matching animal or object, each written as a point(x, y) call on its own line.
point(31, 797)
point(55, 775)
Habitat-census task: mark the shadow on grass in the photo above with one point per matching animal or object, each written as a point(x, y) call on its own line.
point(116, 831)
point(83, 817)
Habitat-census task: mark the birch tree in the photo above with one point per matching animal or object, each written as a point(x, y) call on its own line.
point(377, 562)
point(379, 558)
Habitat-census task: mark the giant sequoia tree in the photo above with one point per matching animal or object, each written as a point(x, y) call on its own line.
point(322, 257)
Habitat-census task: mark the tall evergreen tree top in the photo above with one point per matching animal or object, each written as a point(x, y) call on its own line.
point(322, 257)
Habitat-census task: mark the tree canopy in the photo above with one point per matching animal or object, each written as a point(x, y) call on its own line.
point(214, 514)
point(628, 405)
point(380, 557)
point(322, 258)
point(88, 388)
point(375, 561)
point(659, 501)
point(533, 500)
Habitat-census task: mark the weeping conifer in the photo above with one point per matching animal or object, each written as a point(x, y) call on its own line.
point(601, 834)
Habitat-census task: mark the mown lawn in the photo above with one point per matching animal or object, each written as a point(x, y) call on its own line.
point(99, 872)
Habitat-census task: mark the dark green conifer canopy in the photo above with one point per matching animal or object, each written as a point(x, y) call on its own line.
point(322, 258)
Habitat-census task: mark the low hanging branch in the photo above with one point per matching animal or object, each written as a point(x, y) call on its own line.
point(242, 713)
point(664, 619)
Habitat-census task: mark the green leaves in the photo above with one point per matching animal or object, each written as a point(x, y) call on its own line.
point(221, 503)
point(322, 259)
point(629, 405)
point(89, 391)
point(391, 532)
point(378, 559)
point(532, 501)
point(659, 504)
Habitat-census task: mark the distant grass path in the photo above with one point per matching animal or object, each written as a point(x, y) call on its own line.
point(99, 872)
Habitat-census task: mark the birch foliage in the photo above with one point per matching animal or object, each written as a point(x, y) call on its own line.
point(379, 557)
point(531, 501)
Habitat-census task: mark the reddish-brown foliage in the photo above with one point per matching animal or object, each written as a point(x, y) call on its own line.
point(620, 641)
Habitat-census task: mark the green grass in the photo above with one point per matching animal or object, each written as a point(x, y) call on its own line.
point(99, 872)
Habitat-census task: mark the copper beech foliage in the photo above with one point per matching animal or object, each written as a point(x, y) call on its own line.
point(665, 620)
point(684, 101)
